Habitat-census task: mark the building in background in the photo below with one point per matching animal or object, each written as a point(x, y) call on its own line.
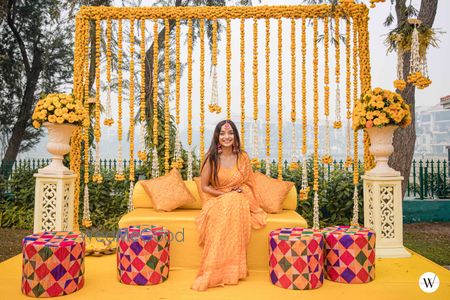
point(432, 131)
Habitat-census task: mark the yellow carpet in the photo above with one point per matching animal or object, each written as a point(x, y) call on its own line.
point(395, 279)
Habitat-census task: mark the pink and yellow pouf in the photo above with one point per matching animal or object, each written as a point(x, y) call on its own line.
point(143, 255)
point(53, 263)
point(296, 258)
point(349, 254)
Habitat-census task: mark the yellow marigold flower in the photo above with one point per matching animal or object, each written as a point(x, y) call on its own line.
point(60, 120)
point(65, 110)
point(58, 112)
point(36, 124)
point(50, 107)
point(70, 119)
point(42, 115)
point(377, 122)
point(66, 116)
point(70, 106)
point(52, 119)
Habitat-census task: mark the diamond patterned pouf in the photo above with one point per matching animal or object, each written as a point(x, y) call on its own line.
point(53, 263)
point(143, 255)
point(296, 258)
point(349, 254)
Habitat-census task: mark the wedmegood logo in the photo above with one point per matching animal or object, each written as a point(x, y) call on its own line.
point(429, 282)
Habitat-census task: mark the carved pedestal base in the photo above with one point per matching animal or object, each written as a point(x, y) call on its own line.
point(53, 202)
point(383, 213)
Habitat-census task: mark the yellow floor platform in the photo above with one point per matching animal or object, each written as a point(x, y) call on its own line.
point(395, 279)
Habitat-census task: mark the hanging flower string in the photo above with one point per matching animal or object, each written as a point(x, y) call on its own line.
point(280, 100)
point(294, 158)
point(255, 134)
point(109, 119)
point(178, 160)
point(326, 159)
point(228, 71)
point(268, 97)
point(131, 95)
point(202, 89)
point(242, 71)
point(304, 191)
point(419, 71)
point(142, 154)
point(348, 159)
point(189, 92)
point(316, 129)
point(337, 123)
point(86, 220)
point(214, 106)
point(166, 95)
point(155, 159)
point(97, 177)
point(119, 173)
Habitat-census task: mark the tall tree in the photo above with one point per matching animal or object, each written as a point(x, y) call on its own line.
point(35, 58)
point(405, 139)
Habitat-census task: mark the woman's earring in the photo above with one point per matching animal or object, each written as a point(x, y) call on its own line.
point(219, 149)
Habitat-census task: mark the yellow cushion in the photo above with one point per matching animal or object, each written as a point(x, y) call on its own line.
point(142, 200)
point(168, 192)
point(273, 192)
point(184, 249)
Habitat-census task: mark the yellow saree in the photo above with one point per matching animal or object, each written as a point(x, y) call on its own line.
point(225, 224)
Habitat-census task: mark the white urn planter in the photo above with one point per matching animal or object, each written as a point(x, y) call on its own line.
point(58, 145)
point(381, 147)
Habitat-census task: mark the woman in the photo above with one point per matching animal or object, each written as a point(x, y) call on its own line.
point(226, 219)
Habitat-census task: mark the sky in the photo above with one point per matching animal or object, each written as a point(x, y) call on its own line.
point(383, 71)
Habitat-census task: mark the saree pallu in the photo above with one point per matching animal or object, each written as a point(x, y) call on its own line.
point(225, 224)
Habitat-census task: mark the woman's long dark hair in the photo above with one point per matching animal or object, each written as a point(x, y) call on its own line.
point(213, 155)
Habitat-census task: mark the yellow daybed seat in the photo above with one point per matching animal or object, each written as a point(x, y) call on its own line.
point(184, 249)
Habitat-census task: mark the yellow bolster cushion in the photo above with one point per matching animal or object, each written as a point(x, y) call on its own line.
point(142, 200)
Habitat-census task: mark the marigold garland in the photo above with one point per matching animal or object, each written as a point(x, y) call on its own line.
point(155, 159)
point(304, 191)
point(119, 174)
point(242, 71)
point(228, 62)
point(294, 158)
point(337, 123)
point(316, 128)
point(131, 87)
point(189, 92)
point(255, 155)
point(214, 103)
point(97, 177)
point(327, 159)
point(267, 96)
point(348, 86)
point(142, 154)
point(202, 89)
point(178, 161)
point(280, 100)
point(108, 120)
point(166, 96)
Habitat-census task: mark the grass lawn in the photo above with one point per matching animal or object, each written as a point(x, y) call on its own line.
point(431, 240)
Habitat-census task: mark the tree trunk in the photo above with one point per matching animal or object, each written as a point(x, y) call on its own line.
point(25, 112)
point(405, 138)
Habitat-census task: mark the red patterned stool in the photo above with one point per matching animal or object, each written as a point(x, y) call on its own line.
point(143, 255)
point(53, 263)
point(349, 254)
point(296, 258)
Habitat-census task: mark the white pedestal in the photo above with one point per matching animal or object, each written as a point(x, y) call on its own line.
point(383, 213)
point(53, 202)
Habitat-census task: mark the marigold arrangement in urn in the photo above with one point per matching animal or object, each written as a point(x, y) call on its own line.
point(59, 109)
point(378, 108)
